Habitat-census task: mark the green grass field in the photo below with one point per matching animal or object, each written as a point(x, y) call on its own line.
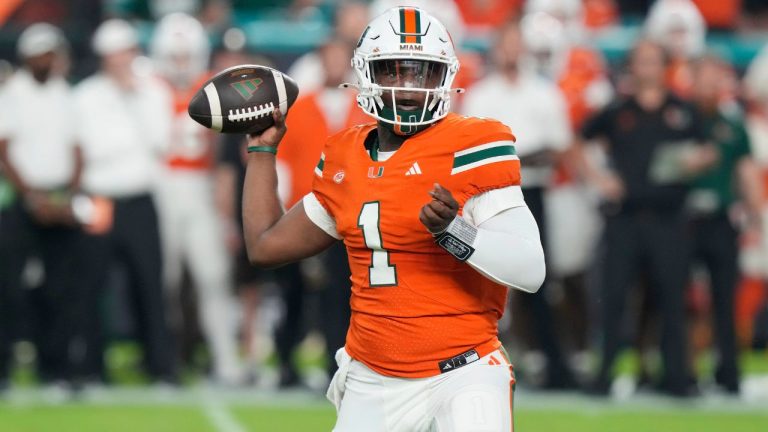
point(132, 406)
point(86, 418)
point(204, 409)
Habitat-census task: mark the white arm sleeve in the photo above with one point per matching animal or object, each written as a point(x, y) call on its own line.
point(319, 216)
point(484, 206)
point(508, 250)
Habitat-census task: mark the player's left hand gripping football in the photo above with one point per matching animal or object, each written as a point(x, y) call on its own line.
point(271, 136)
point(437, 214)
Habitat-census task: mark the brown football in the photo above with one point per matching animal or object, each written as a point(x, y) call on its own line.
point(241, 99)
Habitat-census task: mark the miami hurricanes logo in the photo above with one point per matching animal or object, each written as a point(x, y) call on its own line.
point(374, 173)
point(247, 88)
point(401, 129)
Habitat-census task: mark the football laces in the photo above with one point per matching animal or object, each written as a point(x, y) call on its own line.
point(251, 113)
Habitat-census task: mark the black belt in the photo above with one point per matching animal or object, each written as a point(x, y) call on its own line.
point(460, 360)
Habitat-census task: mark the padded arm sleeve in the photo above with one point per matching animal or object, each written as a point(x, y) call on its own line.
point(508, 250)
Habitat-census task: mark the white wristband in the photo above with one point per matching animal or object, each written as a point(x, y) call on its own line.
point(458, 238)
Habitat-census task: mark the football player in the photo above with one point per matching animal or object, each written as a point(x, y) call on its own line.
point(429, 206)
point(193, 232)
point(679, 27)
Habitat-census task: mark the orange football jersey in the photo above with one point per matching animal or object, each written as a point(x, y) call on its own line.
point(583, 68)
point(191, 146)
point(307, 132)
point(413, 304)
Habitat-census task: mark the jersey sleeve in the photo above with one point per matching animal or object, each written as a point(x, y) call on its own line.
point(331, 159)
point(486, 161)
point(319, 215)
point(320, 183)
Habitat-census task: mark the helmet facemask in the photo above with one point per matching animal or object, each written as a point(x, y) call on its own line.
point(405, 94)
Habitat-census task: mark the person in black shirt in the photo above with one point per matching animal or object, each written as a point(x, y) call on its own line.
point(654, 144)
point(735, 178)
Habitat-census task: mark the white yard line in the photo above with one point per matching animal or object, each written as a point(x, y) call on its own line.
point(221, 418)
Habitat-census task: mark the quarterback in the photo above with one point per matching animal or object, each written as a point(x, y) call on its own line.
point(428, 204)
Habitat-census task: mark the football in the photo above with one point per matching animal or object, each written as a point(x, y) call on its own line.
point(241, 99)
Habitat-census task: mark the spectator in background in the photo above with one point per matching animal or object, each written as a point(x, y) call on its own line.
point(313, 118)
point(720, 14)
point(654, 144)
point(570, 13)
point(40, 158)
point(558, 53)
point(349, 22)
point(677, 25)
point(124, 119)
point(482, 17)
point(536, 110)
point(580, 17)
point(712, 197)
point(191, 227)
point(754, 259)
point(558, 50)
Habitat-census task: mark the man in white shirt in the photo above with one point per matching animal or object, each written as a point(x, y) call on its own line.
point(124, 117)
point(41, 161)
point(535, 109)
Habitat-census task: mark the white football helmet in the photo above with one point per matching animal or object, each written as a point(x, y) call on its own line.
point(405, 65)
point(678, 26)
point(546, 43)
point(180, 49)
point(569, 12)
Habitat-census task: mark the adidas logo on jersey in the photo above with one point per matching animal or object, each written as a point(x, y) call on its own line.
point(414, 170)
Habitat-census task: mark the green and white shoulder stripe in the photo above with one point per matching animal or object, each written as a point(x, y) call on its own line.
point(320, 165)
point(483, 154)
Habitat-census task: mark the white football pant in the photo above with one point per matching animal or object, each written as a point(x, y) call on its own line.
point(474, 398)
point(193, 235)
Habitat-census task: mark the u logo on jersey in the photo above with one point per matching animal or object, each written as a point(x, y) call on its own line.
point(373, 173)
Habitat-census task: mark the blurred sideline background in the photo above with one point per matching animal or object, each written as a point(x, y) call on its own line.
point(126, 300)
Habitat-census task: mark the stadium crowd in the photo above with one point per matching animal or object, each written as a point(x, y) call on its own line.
point(120, 218)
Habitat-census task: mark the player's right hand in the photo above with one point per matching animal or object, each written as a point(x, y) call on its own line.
point(437, 214)
point(271, 136)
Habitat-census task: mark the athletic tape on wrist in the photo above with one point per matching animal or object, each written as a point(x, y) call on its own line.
point(458, 238)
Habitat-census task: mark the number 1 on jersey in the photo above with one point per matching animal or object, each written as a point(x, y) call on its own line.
point(380, 272)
